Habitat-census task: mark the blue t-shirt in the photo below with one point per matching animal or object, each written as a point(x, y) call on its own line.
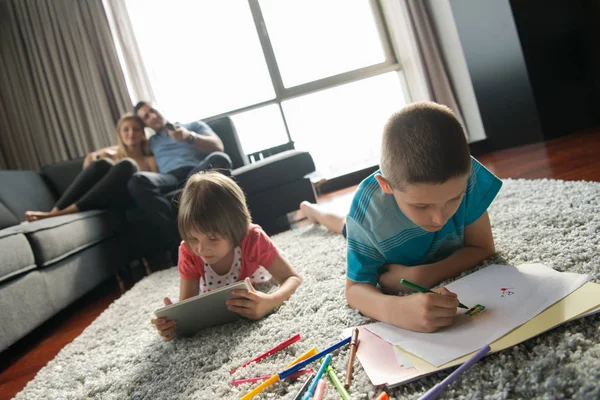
point(379, 233)
point(171, 154)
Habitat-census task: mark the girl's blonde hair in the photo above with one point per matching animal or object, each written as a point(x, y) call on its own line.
point(213, 203)
point(123, 151)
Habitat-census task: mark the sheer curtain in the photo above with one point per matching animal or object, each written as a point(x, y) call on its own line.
point(419, 51)
point(129, 51)
point(61, 85)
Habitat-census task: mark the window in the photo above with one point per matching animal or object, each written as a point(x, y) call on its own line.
point(263, 128)
point(203, 57)
point(342, 127)
point(312, 39)
point(319, 73)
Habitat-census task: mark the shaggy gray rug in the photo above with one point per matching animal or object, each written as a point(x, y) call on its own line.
point(119, 356)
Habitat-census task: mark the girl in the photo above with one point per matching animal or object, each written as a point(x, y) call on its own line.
point(220, 246)
point(103, 181)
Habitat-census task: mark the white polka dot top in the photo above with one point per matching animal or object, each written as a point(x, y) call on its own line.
point(213, 281)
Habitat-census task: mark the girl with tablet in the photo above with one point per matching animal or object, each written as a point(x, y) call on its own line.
point(221, 246)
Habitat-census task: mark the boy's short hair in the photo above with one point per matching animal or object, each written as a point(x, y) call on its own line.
point(213, 203)
point(423, 143)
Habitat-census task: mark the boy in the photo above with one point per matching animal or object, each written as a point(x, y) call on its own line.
point(422, 217)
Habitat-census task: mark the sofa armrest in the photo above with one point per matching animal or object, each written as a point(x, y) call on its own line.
point(274, 171)
point(59, 176)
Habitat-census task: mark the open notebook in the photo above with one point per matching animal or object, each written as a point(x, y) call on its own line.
point(383, 368)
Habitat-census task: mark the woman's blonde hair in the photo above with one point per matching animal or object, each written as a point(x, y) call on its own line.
point(213, 203)
point(123, 151)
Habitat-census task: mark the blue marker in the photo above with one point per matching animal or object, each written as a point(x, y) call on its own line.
point(284, 374)
point(311, 390)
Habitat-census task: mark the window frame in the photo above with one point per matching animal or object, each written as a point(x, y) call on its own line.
point(282, 93)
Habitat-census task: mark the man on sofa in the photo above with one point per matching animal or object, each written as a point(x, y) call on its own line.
point(180, 151)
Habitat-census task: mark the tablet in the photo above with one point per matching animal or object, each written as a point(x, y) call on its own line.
point(202, 311)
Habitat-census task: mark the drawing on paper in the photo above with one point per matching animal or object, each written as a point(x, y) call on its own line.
point(506, 291)
point(478, 309)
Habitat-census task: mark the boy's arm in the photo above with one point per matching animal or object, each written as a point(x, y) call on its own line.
point(478, 246)
point(421, 312)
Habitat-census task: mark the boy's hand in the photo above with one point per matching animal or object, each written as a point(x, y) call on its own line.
point(165, 327)
point(253, 304)
point(425, 312)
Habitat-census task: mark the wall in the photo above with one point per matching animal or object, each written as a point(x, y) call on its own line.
point(492, 50)
point(561, 45)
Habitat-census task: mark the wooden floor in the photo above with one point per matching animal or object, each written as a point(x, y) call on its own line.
point(573, 157)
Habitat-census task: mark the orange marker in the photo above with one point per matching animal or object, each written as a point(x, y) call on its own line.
point(382, 396)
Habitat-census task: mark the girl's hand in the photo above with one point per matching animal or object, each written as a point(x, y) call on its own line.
point(425, 312)
point(165, 327)
point(253, 305)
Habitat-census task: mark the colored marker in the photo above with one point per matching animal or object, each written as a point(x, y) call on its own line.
point(304, 387)
point(297, 366)
point(353, 345)
point(302, 364)
point(274, 350)
point(311, 390)
point(336, 382)
point(382, 396)
point(276, 377)
point(423, 290)
point(320, 390)
point(238, 382)
point(437, 390)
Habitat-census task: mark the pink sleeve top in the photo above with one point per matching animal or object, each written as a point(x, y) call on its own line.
point(256, 250)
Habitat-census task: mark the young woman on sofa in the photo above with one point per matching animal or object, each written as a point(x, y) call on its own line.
point(103, 181)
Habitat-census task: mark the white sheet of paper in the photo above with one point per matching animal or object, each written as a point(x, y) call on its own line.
point(511, 295)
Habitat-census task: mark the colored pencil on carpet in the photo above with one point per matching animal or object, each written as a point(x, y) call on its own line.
point(267, 353)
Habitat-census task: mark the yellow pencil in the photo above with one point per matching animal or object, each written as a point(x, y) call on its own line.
point(275, 377)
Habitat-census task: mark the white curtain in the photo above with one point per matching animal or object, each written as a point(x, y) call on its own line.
point(129, 52)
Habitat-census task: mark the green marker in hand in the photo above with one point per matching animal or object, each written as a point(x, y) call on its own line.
point(423, 290)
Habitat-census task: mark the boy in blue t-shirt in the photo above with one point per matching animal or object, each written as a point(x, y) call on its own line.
point(422, 217)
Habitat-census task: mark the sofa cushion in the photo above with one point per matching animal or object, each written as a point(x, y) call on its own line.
point(17, 257)
point(274, 171)
point(22, 191)
point(61, 175)
point(25, 305)
point(7, 218)
point(53, 239)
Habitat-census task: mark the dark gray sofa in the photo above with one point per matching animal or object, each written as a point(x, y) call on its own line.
point(48, 264)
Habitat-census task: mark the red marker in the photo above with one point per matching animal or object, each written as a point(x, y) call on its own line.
point(274, 350)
